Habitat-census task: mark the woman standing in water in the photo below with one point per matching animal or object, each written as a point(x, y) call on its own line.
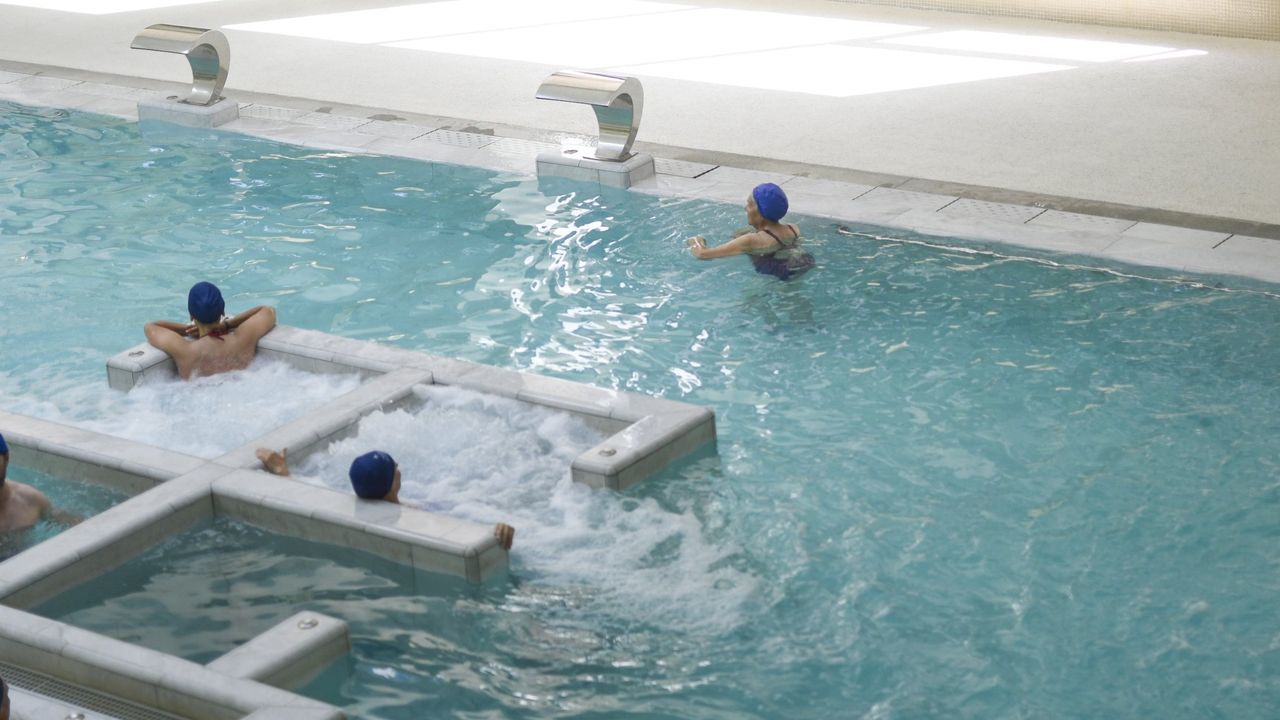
point(772, 246)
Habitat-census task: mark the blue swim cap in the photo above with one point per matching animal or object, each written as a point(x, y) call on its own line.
point(372, 474)
point(4, 449)
point(770, 201)
point(204, 302)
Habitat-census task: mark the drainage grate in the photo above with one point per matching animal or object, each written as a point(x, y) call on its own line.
point(55, 689)
point(516, 147)
point(681, 168)
point(458, 139)
point(330, 122)
point(270, 112)
point(1077, 221)
point(999, 211)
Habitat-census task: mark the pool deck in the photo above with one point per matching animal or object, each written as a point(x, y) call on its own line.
point(1190, 247)
point(1162, 128)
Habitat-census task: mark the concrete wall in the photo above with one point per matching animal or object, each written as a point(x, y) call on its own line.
point(1258, 19)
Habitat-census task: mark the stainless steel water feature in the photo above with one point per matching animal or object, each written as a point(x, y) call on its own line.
point(209, 55)
point(617, 101)
point(206, 50)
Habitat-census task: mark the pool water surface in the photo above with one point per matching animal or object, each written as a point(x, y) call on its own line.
point(73, 501)
point(949, 484)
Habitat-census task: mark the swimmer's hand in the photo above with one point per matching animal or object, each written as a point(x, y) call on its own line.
point(277, 463)
point(505, 535)
point(697, 244)
point(191, 330)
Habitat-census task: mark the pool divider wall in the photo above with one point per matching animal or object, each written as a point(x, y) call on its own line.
point(179, 491)
point(333, 421)
point(77, 454)
point(646, 433)
point(417, 539)
point(144, 676)
point(107, 540)
point(290, 654)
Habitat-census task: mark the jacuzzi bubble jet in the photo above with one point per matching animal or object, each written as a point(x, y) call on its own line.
point(492, 459)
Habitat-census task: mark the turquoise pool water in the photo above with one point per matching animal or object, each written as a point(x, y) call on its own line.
point(948, 485)
point(74, 500)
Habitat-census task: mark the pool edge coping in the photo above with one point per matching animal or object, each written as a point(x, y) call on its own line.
point(1144, 237)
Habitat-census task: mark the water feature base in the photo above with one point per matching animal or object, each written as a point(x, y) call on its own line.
point(570, 164)
point(187, 115)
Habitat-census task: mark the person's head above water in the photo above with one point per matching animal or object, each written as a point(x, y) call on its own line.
point(205, 303)
point(770, 201)
point(375, 476)
point(4, 460)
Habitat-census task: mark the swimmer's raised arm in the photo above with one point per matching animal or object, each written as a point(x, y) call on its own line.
point(742, 243)
point(254, 322)
point(505, 535)
point(171, 326)
point(168, 336)
point(277, 463)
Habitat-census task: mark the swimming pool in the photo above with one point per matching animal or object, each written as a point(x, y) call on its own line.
point(948, 484)
point(75, 500)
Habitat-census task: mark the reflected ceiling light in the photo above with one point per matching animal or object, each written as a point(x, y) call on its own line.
point(630, 40)
point(1041, 46)
point(100, 7)
point(1169, 55)
point(454, 17)
point(840, 70)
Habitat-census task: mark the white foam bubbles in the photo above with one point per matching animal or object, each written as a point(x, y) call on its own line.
point(492, 459)
point(205, 416)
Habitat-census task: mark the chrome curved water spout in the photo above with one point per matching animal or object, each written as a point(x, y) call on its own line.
point(617, 102)
point(206, 50)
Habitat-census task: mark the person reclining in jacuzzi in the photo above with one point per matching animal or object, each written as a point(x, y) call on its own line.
point(773, 247)
point(21, 506)
point(374, 476)
point(220, 343)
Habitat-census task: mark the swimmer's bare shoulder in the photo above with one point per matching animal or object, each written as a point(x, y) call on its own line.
point(26, 507)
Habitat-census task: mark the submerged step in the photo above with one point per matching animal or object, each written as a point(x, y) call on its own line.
point(290, 654)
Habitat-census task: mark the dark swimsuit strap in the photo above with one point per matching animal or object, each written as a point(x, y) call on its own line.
point(795, 235)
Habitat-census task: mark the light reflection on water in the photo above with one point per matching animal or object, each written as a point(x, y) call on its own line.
point(963, 485)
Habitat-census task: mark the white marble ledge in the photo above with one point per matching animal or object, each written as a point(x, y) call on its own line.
point(96, 449)
point(1079, 221)
point(971, 229)
point(47, 83)
point(137, 674)
point(289, 652)
point(1175, 235)
point(325, 515)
